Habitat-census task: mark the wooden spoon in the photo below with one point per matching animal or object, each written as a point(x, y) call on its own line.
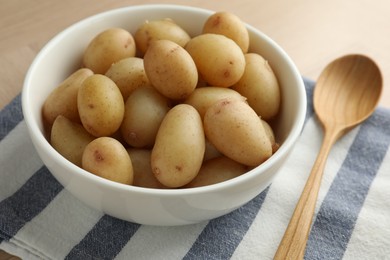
point(346, 93)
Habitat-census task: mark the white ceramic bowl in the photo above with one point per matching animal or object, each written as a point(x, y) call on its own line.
point(62, 55)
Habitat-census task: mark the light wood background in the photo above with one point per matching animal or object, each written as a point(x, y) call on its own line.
point(312, 32)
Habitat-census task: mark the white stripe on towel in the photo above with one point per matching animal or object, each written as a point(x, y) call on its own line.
point(16, 171)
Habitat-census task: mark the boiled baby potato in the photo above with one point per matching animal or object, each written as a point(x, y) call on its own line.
point(108, 158)
point(210, 151)
point(203, 98)
point(235, 129)
point(271, 135)
point(217, 170)
point(128, 74)
point(165, 29)
point(220, 61)
point(63, 99)
point(143, 175)
point(179, 148)
point(260, 85)
point(101, 106)
point(109, 46)
point(69, 139)
point(170, 69)
point(230, 25)
point(145, 109)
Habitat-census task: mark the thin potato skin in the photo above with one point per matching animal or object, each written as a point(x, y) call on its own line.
point(69, 139)
point(210, 151)
point(63, 99)
point(108, 47)
point(107, 158)
point(234, 128)
point(271, 135)
point(203, 98)
point(179, 149)
point(217, 170)
point(260, 85)
point(101, 106)
point(165, 29)
point(143, 175)
point(170, 69)
point(231, 26)
point(145, 109)
point(128, 74)
point(217, 66)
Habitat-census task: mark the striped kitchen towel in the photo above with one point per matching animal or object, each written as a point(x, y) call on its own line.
point(39, 219)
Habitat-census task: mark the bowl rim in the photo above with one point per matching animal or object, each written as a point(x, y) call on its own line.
point(43, 143)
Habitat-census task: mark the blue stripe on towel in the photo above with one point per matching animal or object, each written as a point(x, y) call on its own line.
point(105, 240)
point(309, 87)
point(10, 116)
point(230, 228)
point(333, 226)
point(27, 202)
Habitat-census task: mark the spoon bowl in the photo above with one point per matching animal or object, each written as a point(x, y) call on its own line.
point(347, 92)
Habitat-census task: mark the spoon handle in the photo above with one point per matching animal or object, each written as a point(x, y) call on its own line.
point(293, 243)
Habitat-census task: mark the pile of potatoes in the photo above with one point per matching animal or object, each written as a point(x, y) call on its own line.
point(162, 109)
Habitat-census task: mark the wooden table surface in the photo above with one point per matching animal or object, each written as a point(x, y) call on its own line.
point(311, 32)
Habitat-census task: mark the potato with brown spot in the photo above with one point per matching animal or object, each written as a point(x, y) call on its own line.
point(107, 158)
point(234, 128)
point(231, 26)
point(108, 47)
point(179, 149)
point(165, 29)
point(203, 98)
point(101, 106)
point(220, 61)
point(170, 69)
point(128, 74)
